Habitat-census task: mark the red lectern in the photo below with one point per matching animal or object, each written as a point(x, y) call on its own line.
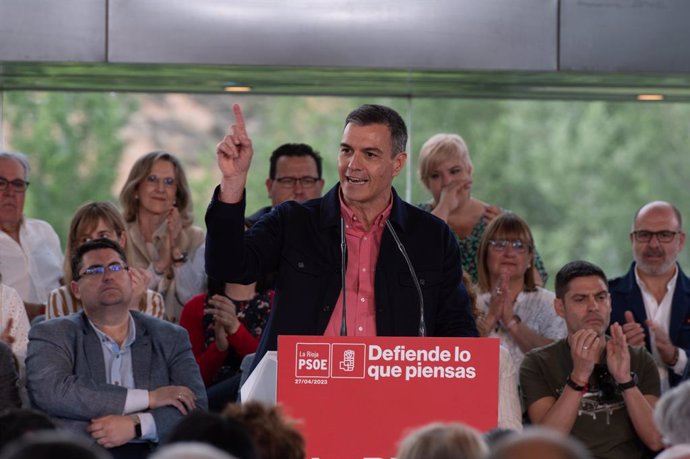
point(357, 397)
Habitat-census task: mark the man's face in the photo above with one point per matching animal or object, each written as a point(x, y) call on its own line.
point(366, 164)
point(11, 201)
point(654, 257)
point(109, 289)
point(586, 305)
point(294, 167)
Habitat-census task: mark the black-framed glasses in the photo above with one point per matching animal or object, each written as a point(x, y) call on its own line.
point(289, 182)
point(17, 185)
point(500, 245)
point(99, 270)
point(662, 236)
point(155, 180)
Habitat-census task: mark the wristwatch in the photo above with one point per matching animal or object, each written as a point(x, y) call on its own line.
point(137, 425)
point(573, 385)
point(628, 385)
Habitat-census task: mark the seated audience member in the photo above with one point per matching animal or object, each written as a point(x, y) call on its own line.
point(14, 323)
point(672, 415)
point(274, 435)
point(224, 325)
point(514, 308)
point(9, 377)
point(190, 451)
point(51, 444)
point(157, 207)
point(123, 377)
point(16, 422)
point(226, 434)
point(302, 243)
point(443, 441)
point(95, 220)
point(595, 387)
point(294, 175)
point(652, 301)
point(509, 409)
point(30, 253)
point(445, 169)
point(536, 442)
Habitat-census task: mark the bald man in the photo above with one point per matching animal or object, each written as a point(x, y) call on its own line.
point(652, 301)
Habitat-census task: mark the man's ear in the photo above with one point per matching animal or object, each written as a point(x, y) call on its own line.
point(269, 187)
point(74, 286)
point(399, 163)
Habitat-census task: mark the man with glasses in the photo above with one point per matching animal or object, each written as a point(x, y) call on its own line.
point(30, 254)
point(120, 376)
point(597, 388)
point(294, 175)
point(652, 301)
point(356, 223)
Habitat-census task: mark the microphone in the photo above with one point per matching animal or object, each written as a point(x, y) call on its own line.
point(422, 323)
point(343, 267)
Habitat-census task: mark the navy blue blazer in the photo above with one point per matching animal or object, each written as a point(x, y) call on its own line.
point(301, 243)
point(626, 296)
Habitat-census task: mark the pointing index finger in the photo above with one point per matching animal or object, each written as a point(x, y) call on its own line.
point(239, 118)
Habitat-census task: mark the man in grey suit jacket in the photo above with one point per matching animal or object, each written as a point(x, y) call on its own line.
point(121, 376)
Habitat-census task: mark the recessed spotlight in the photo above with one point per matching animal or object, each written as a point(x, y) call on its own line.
point(237, 89)
point(650, 97)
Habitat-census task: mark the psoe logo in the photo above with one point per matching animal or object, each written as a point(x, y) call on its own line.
point(313, 360)
point(349, 360)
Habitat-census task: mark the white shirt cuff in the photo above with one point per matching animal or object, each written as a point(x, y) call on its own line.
point(148, 427)
point(679, 367)
point(137, 400)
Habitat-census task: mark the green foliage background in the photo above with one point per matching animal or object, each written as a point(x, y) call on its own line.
point(577, 171)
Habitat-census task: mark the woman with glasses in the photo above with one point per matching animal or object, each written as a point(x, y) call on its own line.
point(445, 168)
point(157, 207)
point(95, 220)
point(514, 308)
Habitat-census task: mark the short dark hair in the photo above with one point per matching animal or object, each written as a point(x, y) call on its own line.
point(226, 434)
point(573, 270)
point(294, 149)
point(16, 422)
point(379, 114)
point(89, 246)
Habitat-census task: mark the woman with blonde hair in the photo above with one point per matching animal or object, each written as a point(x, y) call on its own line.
point(157, 207)
point(445, 169)
point(95, 220)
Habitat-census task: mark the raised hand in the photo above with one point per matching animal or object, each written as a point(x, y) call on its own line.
point(585, 349)
point(235, 150)
point(180, 397)
point(140, 282)
point(662, 342)
point(491, 212)
point(618, 355)
point(453, 196)
point(633, 331)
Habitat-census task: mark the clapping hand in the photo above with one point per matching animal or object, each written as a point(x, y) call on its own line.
point(618, 355)
point(633, 331)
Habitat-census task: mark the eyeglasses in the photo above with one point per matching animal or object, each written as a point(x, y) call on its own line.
point(155, 180)
point(501, 245)
point(662, 236)
point(99, 270)
point(289, 182)
point(17, 185)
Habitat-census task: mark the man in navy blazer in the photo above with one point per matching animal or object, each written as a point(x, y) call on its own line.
point(652, 301)
point(121, 376)
point(303, 243)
